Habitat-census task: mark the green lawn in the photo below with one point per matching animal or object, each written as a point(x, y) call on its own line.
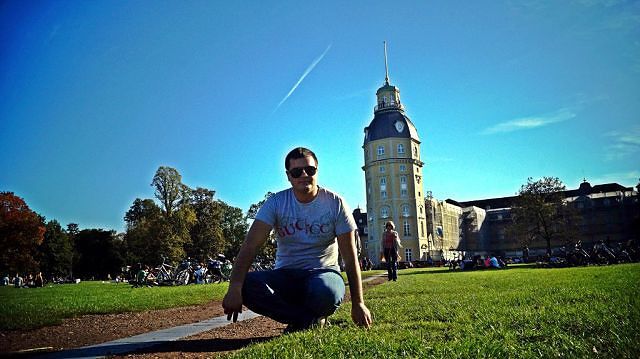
point(26, 308)
point(520, 312)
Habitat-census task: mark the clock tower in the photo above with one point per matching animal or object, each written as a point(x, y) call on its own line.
point(393, 175)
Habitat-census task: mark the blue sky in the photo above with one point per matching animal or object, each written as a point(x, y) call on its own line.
point(96, 95)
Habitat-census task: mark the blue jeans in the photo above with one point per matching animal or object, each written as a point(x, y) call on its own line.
point(293, 296)
point(391, 257)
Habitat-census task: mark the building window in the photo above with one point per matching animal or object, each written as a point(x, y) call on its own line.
point(403, 193)
point(382, 169)
point(383, 194)
point(384, 212)
point(400, 148)
point(405, 210)
point(407, 229)
point(380, 151)
point(403, 168)
point(407, 255)
point(383, 181)
point(415, 151)
point(403, 179)
point(421, 227)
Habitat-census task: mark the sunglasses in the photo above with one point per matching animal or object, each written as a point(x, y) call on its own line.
point(297, 172)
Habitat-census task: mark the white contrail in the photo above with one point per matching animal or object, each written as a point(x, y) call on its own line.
point(306, 72)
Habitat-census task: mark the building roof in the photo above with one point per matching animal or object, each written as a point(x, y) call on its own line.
point(383, 126)
point(506, 202)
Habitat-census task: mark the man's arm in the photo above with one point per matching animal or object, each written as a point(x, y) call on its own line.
point(232, 302)
point(359, 312)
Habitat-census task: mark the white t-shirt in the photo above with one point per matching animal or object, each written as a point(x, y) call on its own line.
point(307, 231)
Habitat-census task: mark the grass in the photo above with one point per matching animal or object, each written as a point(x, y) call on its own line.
point(35, 307)
point(520, 313)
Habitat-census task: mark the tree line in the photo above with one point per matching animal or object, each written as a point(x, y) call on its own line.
point(179, 222)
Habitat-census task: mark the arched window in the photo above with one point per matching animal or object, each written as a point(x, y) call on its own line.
point(400, 148)
point(384, 212)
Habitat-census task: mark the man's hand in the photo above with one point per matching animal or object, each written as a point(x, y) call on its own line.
point(360, 315)
point(232, 304)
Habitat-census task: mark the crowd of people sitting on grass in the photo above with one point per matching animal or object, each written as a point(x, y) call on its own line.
point(477, 262)
point(28, 281)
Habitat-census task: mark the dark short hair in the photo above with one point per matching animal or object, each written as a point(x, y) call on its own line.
point(299, 152)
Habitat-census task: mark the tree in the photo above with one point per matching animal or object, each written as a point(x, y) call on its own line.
point(169, 189)
point(21, 232)
point(540, 213)
point(175, 236)
point(56, 251)
point(206, 234)
point(173, 232)
point(145, 224)
point(268, 250)
point(140, 211)
point(234, 228)
point(97, 254)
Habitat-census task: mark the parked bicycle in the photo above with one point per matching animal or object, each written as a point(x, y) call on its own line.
point(166, 274)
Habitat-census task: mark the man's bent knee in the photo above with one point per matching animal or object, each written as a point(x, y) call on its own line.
point(325, 293)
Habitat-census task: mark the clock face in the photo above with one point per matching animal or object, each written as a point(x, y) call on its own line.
point(399, 126)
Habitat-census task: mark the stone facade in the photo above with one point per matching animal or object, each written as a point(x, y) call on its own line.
point(608, 212)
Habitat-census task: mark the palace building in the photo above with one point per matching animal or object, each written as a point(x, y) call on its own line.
point(436, 230)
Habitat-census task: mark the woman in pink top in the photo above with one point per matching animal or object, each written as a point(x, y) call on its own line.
point(390, 246)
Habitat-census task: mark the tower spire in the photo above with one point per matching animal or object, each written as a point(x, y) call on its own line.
point(386, 67)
